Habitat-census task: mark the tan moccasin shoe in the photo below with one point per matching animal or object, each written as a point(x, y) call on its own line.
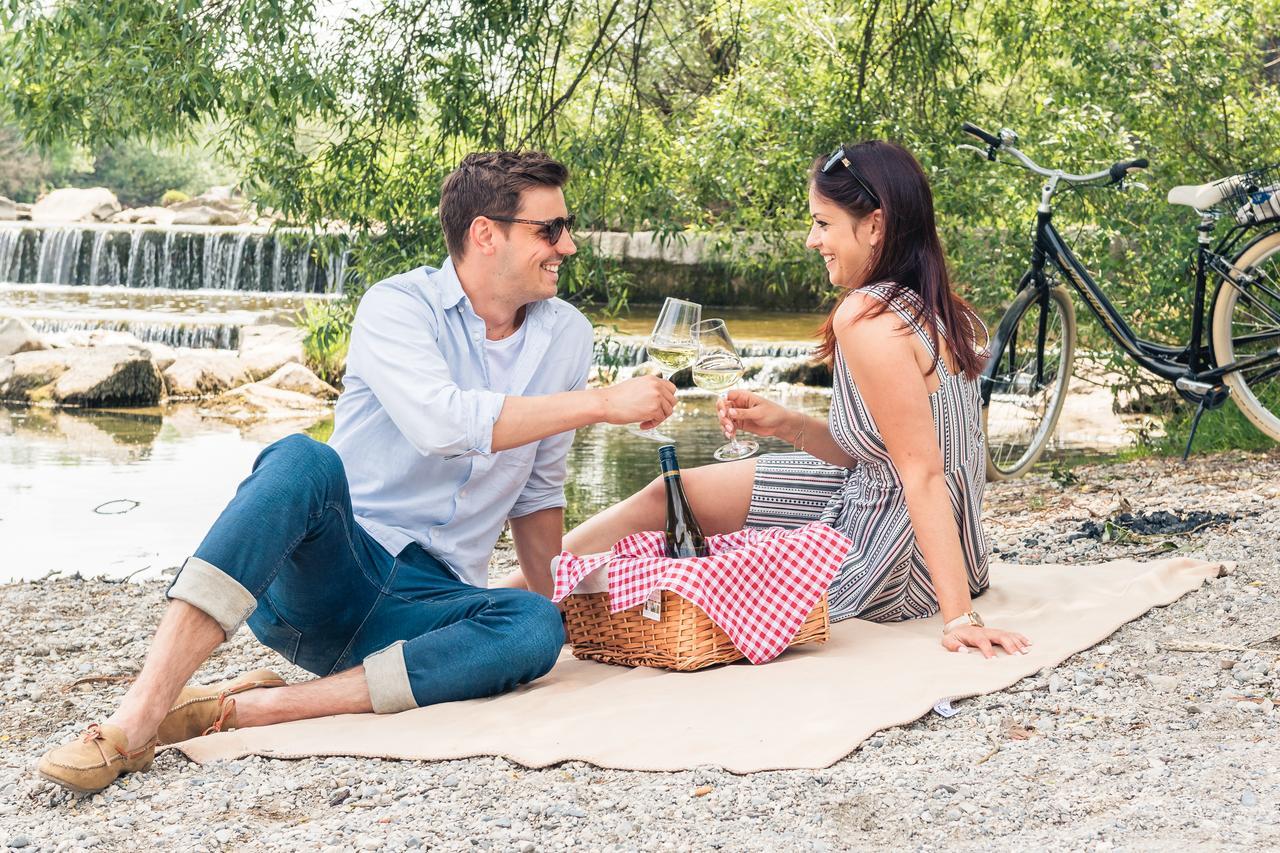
point(205, 709)
point(94, 760)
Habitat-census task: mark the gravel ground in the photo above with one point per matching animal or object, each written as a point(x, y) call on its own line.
point(1133, 744)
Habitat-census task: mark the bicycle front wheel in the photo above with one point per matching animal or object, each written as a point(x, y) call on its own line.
point(1246, 322)
point(1025, 381)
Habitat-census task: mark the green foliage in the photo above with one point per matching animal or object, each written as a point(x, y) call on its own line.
point(173, 197)
point(1224, 428)
point(23, 167)
point(328, 334)
point(680, 116)
point(141, 174)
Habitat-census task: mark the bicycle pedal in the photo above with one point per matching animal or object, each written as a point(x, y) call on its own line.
point(1193, 386)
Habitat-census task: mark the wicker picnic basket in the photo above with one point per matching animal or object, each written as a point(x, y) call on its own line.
point(684, 639)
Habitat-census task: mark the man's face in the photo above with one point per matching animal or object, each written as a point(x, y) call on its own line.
point(527, 263)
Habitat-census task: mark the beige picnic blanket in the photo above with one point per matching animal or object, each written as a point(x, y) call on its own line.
point(806, 709)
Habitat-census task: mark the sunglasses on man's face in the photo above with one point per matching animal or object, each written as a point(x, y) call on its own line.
point(552, 229)
point(840, 156)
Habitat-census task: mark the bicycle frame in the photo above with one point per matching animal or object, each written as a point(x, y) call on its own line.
point(1195, 360)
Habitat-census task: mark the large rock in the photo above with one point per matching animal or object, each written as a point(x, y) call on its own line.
point(296, 378)
point(8, 208)
point(101, 376)
point(28, 377)
point(258, 401)
point(24, 210)
point(265, 349)
point(205, 210)
point(110, 376)
point(70, 204)
point(162, 354)
point(204, 373)
point(145, 216)
point(16, 335)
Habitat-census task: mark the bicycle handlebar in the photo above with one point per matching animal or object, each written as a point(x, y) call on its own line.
point(1124, 167)
point(993, 141)
point(1114, 172)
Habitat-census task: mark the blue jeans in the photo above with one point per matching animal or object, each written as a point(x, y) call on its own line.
point(287, 555)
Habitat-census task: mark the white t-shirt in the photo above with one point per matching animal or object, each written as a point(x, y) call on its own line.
point(502, 357)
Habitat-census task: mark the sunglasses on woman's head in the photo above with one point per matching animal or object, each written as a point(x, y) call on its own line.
point(840, 156)
point(552, 229)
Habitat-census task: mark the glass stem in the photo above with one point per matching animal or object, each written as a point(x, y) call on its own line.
point(733, 436)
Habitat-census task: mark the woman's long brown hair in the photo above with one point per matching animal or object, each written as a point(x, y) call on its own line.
point(909, 256)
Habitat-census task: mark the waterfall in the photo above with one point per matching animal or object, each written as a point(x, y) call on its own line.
point(10, 257)
point(630, 352)
point(171, 258)
point(175, 334)
point(59, 256)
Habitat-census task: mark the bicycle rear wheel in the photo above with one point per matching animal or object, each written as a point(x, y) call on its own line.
point(1025, 381)
point(1246, 322)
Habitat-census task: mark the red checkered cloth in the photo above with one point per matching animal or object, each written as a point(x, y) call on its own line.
point(758, 585)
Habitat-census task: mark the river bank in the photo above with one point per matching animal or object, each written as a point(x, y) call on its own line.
point(1136, 743)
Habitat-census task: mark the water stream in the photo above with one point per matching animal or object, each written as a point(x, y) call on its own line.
point(131, 493)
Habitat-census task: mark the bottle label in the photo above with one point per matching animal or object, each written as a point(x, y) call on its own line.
point(653, 606)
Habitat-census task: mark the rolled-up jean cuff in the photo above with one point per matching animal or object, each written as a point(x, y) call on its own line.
point(212, 590)
point(388, 679)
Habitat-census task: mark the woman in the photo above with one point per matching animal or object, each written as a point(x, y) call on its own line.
point(899, 464)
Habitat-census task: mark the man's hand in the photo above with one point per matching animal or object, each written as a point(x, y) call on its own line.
point(646, 400)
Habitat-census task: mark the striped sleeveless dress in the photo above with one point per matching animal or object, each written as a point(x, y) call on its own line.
point(883, 577)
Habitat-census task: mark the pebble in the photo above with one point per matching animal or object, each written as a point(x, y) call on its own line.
point(18, 842)
point(1124, 733)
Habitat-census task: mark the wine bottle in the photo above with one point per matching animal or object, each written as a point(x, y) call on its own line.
point(684, 536)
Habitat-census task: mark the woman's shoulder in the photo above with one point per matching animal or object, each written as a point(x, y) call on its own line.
point(863, 308)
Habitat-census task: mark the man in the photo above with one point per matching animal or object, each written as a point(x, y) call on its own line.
point(365, 561)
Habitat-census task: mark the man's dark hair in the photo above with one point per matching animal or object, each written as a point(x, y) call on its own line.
point(489, 183)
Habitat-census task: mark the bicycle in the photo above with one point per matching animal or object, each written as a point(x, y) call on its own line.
point(1025, 380)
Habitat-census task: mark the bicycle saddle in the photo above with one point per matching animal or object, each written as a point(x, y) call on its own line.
point(1204, 196)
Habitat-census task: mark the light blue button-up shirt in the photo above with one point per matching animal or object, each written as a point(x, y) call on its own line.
point(414, 424)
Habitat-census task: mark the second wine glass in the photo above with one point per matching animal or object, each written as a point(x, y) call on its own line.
point(718, 368)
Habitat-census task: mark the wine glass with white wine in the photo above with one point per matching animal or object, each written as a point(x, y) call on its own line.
point(672, 346)
point(718, 368)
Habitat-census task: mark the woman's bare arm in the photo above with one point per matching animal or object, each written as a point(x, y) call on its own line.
point(882, 361)
point(753, 413)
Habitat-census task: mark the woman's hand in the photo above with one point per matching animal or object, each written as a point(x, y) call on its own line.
point(984, 640)
point(742, 410)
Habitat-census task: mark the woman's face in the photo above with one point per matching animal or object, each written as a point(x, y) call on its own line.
point(845, 243)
